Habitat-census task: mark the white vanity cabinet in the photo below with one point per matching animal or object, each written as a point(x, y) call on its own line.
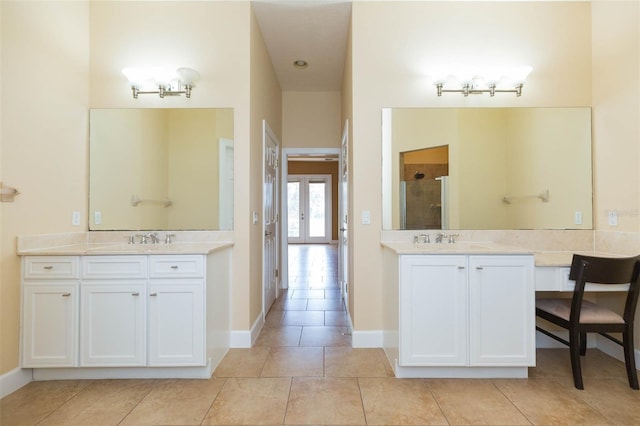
point(434, 301)
point(460, 315)
point(50, 301)
point(113, 311)
point(176, 308)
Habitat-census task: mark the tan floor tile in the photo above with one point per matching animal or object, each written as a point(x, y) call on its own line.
point(289, 305)
point(250, 401)
point(474, 402)
point(613, 398)
point(554, 363)
point(325, 336)
point(103, 402)
point(325, 305)
point(294, 361)
point(33, 402)
point(176, 402)
point(307, 294)
point(399, 402)
point(280, 336)
point(336, 318)
point(242, 362)
point(303, 318)
point(327, 400)
point(547, 402)
point(355, 362)
point(274, 318)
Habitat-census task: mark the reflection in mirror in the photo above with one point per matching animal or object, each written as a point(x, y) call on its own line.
point(487, 168)
point(161, 169)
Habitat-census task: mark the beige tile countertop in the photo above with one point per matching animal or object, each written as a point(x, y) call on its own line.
point(541, 257)
point(88, 249)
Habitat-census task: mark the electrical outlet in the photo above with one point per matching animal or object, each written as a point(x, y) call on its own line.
point(75, 218)
point(97, 217)
point(613, 217)
point(577, 218)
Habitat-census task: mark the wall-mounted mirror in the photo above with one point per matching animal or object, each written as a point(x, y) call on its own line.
point(161, 169)
point(487, 168)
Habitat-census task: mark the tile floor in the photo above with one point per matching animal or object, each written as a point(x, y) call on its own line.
point(303, 371)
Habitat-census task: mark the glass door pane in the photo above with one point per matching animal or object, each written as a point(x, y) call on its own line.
point(293, 209)
point(317, 209)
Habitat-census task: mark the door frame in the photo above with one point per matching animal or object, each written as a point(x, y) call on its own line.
point(284, 225)
point(267, 132)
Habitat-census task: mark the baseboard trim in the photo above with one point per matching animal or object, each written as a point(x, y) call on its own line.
point(246, 338)
point(615, 351)
point(103, 373)
point(13, 380)
point(367, 339)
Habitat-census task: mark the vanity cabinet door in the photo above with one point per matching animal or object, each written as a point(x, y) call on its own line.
point(502, 311)
point(113, 323)
point(433, 311)
point(176, 322)
point(50, 324)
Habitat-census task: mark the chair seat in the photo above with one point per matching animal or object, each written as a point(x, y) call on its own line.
point(589, 314)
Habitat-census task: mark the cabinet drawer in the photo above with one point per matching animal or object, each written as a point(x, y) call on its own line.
point(50, 267)
point(110, 267)
point(187, 266)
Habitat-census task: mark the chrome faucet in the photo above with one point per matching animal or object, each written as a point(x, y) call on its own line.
point(440, 236)
point(153, 236)
point(421, 238)
point(452, 238)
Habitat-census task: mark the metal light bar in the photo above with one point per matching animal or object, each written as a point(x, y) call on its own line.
point(467, 89)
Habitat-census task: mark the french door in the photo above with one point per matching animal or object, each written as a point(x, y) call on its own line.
point(309, 209)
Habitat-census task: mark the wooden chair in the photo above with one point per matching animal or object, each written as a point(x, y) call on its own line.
point(580, 316)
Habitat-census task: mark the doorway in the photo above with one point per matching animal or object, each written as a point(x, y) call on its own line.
point(294, 157)
point(309, 209)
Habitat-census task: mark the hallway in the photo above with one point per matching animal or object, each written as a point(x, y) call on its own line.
point(302, 370)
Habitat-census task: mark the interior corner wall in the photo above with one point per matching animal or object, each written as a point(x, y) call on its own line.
point(616, 108)
point(266, 104)
point(45, 97)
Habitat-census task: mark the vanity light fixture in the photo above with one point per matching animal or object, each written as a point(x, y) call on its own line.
point(161, 81)
point(496, 81)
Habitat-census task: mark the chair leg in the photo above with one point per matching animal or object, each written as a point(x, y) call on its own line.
point(583, 344)
point(629, 358)
point(574, 350)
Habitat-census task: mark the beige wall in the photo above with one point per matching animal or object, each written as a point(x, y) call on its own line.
point(554, 38)
point(266, 104)
point(311, 119)
point(45, 99)
point(71, 54)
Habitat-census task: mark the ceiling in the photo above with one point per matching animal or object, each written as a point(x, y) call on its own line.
point(313, 31)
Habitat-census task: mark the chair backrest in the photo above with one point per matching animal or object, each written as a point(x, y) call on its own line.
point(605, 270)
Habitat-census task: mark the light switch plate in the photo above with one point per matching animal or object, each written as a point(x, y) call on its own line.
point(366, 217)
point(613, 217)
point(97, 217)
point(75, 218)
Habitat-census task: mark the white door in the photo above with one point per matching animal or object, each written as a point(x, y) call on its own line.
point(270, 218)
point(433, 310)
point(309, 209)
point(176, 322)
point(113, 324)
point(343, 208)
